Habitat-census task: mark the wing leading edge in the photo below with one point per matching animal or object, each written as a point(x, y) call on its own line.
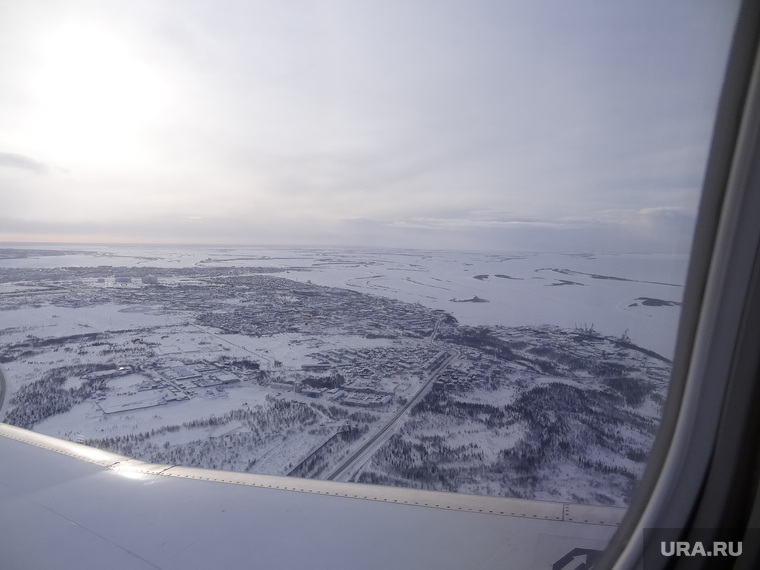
point(65, 505)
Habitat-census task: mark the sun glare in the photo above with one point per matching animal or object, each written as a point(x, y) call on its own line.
point(95, 97)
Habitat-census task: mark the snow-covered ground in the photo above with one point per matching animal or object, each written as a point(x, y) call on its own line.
point(58, 330)
point(521, 288)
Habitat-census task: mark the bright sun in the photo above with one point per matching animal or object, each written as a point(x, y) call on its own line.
point(95, 97)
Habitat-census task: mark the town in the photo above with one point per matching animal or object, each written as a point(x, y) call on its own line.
point(242, 369)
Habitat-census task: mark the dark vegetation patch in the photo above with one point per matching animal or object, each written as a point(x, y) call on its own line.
point(46, 397)
point(561, 282)
point(652, 302)
point(562, 423)
point(243, 363)
point(633, 390)
point(333, 381)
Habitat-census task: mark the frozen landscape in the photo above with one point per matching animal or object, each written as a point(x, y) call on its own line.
point(528, 375)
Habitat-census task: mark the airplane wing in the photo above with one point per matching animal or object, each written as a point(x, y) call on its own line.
point(65, 505)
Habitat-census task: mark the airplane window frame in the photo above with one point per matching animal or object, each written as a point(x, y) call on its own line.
point(701, 473)
point(698, 458)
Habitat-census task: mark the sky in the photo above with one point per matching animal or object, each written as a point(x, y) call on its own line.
point(542, 125)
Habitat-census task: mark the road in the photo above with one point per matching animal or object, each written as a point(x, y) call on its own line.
point(348, 468)
point(435, 328)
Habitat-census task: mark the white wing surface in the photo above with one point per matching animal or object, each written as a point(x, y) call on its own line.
point(64, 505)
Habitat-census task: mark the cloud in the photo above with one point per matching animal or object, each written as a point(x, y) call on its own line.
point(11, 160)
point(491, 124)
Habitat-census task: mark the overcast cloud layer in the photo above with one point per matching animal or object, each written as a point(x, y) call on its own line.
point(539, 125)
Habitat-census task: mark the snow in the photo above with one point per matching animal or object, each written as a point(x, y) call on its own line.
point(521, 289)
point(433, 278)
point(88, 420)
point(50, 321)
